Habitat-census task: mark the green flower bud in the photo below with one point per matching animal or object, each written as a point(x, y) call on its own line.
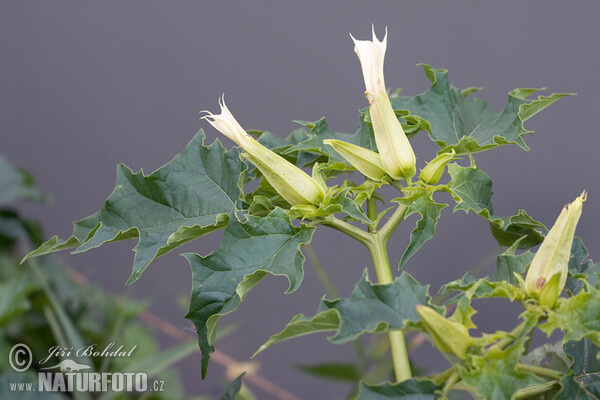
point(293, 184)
point(433, 171)
point(364, 160)
point(449, 336)
point(395, 151)
point(547, 273)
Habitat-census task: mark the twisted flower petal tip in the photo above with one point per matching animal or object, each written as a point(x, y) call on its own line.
point(395, 151)
point(293, 184)
point(371, 54)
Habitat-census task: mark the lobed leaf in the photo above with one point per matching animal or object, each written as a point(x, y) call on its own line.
point(578, 316)
point(194, 194)
point(466, 124)
point(430, 212)
point(248, 252)
point(494, 375)
point(581, 268)
point(370, 308)
point(583, 382)
point(17, 184)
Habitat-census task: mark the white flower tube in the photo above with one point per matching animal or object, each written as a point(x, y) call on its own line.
point(293, 184)
point(397, 156)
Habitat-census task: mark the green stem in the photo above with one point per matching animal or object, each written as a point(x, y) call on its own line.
point(536, 390)
point(452, 379)
point(346, 228)
point(540, 371)
point(381, 263)
point(372, 213)
point(393, 222)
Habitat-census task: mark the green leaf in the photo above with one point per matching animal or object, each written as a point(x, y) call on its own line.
point(508, 264)
point(430, 211)
point(578, 316)
point(411, 389)
point(233, 388)
point(473, 288)
point(550, 356)
point(377, 307)
point(585, 356)
point(194, 194)
point(468, 125)
point(17, 184)
point(370, 308)
point(248, 252)
point(494, 375)
point(586, 387)
point(472, 190)
point(581, 268)
point(583, 382)
point(333, 370)
point(300, 325)
point(319, 131)
point(516, 227)
point(14, 297)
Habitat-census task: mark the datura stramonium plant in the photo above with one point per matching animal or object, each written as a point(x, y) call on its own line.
point(397, 156)
point(293, 184)
point(548, 272)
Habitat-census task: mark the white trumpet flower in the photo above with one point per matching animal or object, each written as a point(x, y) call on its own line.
point(395, 151)
point(293, 184)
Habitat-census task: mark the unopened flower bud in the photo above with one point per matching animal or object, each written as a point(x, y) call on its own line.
point(449, 336)
point(548, 271)
point(293, 184)
point(432, 173)
point(364, 160)
point(396, 154)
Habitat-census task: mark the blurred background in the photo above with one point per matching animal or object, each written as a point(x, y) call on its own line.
point(87, 85)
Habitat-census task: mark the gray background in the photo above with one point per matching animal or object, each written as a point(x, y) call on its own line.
point(86, 85)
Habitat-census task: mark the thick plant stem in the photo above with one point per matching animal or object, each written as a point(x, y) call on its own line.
point(378, 251)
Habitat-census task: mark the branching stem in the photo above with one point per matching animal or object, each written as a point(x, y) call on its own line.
point(377, 249)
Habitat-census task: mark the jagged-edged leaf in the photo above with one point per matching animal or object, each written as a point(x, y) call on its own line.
point(578, 316)
point(494, 375)
point(472, 288)
point(333, 370)
point(508, 264)
point(467, 124)
point(430, 211)
point(586, 387)
point(300, 325)
point(550, 356)
point(519, 226)
point(319, 131)
point(377, 308)
point(313, 149)
point(370, 308)
point(472, 190)
point(585, 356)
point(411, 389)
point(583, 383)
point(248, 252)
point(233, 388)
point(581, 268)
point(192, 195)
point(17, 184)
